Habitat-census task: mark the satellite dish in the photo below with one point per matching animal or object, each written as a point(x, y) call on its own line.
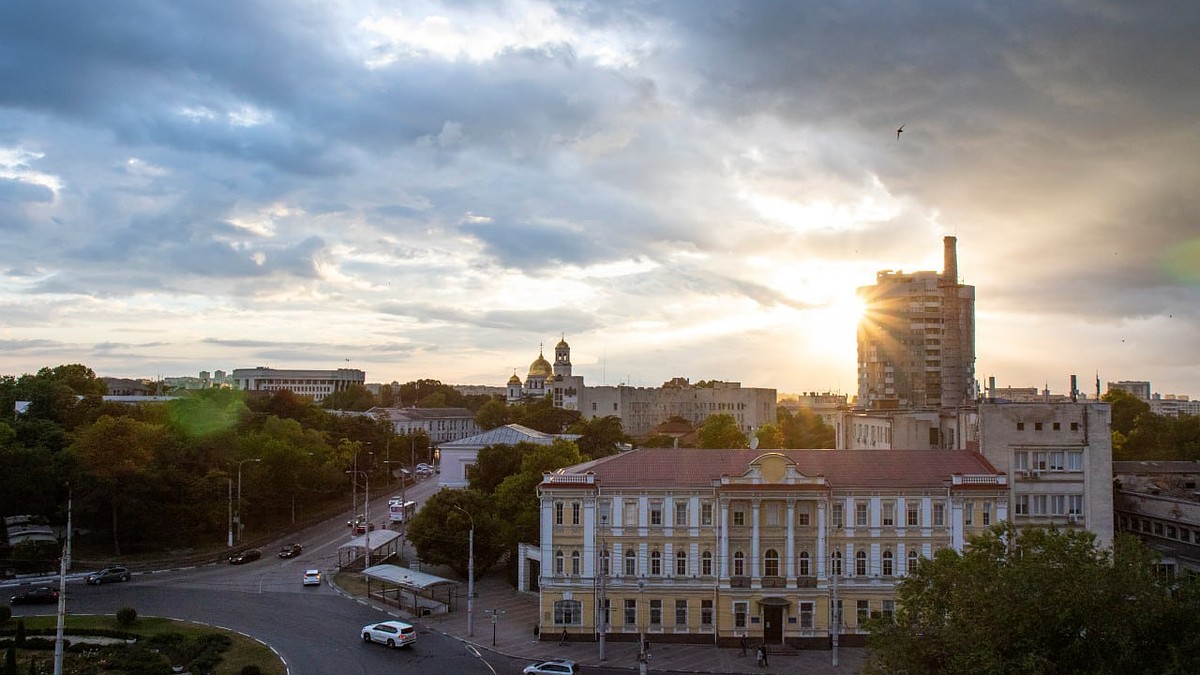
point(754, 443)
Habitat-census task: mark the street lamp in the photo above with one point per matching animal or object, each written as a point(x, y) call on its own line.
point(470, 575)
point(366, 508)
point(237, 517)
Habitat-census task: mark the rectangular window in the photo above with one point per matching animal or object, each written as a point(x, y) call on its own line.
point(1037, 426)
point(631, 513)
point(1057, 426)
point(568, 613)
point(1020, 426)
point(656, 612)
point(706, 613)
point(558, 513)
point(1075, 504)
point(806, 615)
point(630, 612)
point(838, 521)
point(681, 513)
point(862, 608)
point(681, 612)
point(1021, 460)
point(606, 614)
point(889, 514)
point(739, 517)
point(1058, 505)
point(739, 614)
point(802, 518)
point(1057, 460)
point(860, 514)
point(1021, 505)
point(576, 508)
point(939, 514)
point(1039, 461)
point(987, 514)
point(605, 508)
point(1074, 426)
point(914, 514)
point(1075, 460)
point(706, 564)
point(968, 513)
point(1038, 505)
point(656, 513)
point(630, 563)
point(680, 564)
point(706, 513)
point(889, 609)
point(772, 510)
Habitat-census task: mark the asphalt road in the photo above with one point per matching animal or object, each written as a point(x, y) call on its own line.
point(315, 629)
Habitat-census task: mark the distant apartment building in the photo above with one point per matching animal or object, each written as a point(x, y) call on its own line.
point(641, 409)
point(945, 429)
point(916, 340)
point(710, 546)
point(1058, 458)
point(1159, 502)
point(1167, 405)
point(825, 405)
point(1138, 388)
point(440, 425)
point(315, 384)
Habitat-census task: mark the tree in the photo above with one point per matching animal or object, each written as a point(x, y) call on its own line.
point(543, 416)
point(599, 436)
point(492, 415)
point(355, 397)
point(804, 429)
point(1126, 408)
point(721, 431)
point(516, 497)
point(1035, 601)
point(440, 531)
point(494, 463)
point(769, 437)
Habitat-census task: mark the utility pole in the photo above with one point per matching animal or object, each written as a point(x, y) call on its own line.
point(240, 526)
point(229, 544)
point(366, 509)
point(470, 575)
point(62, 594)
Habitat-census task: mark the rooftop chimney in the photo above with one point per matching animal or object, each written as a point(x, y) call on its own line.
point(950, 265)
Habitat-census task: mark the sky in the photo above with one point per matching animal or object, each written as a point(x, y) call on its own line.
point(693, 189)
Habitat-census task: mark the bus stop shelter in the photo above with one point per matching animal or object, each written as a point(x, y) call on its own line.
point(383, 543)
point(420, 593)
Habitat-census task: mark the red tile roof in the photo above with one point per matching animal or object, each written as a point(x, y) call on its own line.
point(868, 469)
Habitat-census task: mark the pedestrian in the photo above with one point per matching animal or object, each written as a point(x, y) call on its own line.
point(536, 630)
point(762, 656)
point(565, 637)
point(744, 643)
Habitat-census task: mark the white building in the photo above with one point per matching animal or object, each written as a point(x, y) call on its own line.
point(459, 455)
point(1058, 458)
point(315, 384)
point(440, 425)
point(642, 408)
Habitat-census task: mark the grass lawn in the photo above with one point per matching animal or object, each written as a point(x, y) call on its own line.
point(244, 651)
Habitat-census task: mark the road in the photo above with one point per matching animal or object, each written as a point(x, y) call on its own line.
point(314, 629)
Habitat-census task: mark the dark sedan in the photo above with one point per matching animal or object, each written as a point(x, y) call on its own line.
point(290, 551)
point(43, 595)
point(249, 555)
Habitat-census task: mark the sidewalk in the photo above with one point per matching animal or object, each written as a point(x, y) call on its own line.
point(514, 637)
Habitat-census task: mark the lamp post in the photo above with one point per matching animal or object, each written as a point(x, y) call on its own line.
point(470, 575)
point(238, 514)
point(366, 509)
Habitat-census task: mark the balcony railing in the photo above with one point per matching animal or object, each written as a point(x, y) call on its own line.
point(739, 582)
point(774, 582)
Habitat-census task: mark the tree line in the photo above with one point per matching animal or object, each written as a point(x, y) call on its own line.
point(1140, 434)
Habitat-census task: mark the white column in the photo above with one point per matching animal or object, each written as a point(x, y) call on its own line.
point(754, 554)
point(590, 519)
point(723, 541)
point(822, 535)
point(790, 568)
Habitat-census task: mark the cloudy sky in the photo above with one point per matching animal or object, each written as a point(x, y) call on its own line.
point(696, 189)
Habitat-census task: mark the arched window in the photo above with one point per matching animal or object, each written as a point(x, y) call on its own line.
point(575, 563)
point(604, 562)
point(860, 563)
point(836, 562)
point(681, 563)
point(805, 564)
point(558, 562)
point(771, 563)
point(912, 560)
point(706, 564)
point(739, 564)
point(655, 563)
point(630, 563)
point(888, 569)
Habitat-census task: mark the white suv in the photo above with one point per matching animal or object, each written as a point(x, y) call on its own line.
point(390, 633)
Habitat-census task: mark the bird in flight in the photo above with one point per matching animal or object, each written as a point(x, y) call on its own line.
point(899, 131)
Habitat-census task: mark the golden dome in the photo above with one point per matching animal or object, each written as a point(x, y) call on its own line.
point(514, 379)
point(540, 367)
point(562, 344)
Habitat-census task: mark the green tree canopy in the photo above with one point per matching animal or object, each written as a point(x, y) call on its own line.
point(1036, 601)
point(495, 463)
point(721, 431)
point(769, 437)
point(804, 429)
point(600, 436)
point(1126, 408)
point(492, 415)
point(355, 397)
point(440, 531)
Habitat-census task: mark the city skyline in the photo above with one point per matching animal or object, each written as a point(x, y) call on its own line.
point(692, 189)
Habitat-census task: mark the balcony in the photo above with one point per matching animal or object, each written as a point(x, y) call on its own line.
point(739, 582)
point(774, 582)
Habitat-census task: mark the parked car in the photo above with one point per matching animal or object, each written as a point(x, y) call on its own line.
point(425, 470)
point(249, 555)
point(110, 574)
point(356, 520)
point(312, 577)
point(555, 667)
point(290, 551)
point(42, 595)
point(364, 527)
point(390, 633)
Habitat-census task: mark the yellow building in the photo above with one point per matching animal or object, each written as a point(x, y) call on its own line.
point(688, 545)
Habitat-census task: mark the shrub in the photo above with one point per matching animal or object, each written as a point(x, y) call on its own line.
point(126, 616)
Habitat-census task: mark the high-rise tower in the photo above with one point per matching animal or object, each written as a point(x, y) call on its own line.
point(916, 340)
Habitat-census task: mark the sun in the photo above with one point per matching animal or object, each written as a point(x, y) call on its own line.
point(833, 333)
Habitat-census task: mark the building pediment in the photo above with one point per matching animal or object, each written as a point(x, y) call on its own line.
point(772, 468)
